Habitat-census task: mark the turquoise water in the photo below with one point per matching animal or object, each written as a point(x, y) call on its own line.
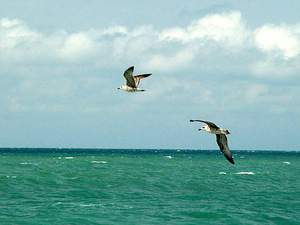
point(90, 186)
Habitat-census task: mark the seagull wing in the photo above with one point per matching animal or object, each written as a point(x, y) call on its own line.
point(222, 142)
point(129, 78)
point(138, 78)
point(210, 124)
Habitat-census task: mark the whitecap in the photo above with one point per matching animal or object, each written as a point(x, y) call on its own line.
point(99, 162)
point(249, 173)
point(28, 163)
point(287, 162)
point(90, 205)
point(168, 156)
point(222, 173)
point(69, 157)
point(57, 203)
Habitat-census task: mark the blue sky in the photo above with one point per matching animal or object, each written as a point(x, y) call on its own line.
point(235, 63)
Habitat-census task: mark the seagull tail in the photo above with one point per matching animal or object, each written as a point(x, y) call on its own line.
point(225, 132)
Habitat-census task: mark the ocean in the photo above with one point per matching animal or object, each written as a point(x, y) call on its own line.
point(155, 186)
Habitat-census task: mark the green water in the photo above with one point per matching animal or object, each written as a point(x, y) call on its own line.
point(148, 187)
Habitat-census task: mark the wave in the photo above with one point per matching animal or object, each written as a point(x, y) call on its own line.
point(28, 163)
point(103, 162)
point(248, 173)
point(140, 151)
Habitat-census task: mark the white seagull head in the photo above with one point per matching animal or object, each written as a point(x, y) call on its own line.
point(121, 87)
point(206, 128)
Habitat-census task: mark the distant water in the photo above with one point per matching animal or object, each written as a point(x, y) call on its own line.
point(115, 186)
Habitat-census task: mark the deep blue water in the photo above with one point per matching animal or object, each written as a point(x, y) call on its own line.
point(132, 186)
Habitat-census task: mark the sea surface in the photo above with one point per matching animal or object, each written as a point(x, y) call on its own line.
point(157, 186)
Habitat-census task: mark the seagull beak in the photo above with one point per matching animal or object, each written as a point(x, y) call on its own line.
point(119, 88)
point(199, 129)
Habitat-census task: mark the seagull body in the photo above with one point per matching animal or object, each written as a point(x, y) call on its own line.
point(132, 82)
point(220, 136)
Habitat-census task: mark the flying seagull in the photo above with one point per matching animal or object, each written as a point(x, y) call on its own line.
point(220, 135)
point(132, 82)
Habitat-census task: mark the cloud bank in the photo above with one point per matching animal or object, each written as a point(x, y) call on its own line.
point(63, 65)
point(227, 30)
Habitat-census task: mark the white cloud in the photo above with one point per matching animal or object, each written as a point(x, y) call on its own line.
point(283, 39)
point(167, 49)
point(5, 22)
point(115, 30)
point(227, 28)
point(79, 45)
point(170, 63)
point(15, 32)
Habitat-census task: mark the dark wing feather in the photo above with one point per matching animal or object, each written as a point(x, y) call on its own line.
point(129, 78)
point(138, 78)
point(223, 144)
point(210, 124)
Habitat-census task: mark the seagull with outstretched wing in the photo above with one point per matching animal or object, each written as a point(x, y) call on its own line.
point(220, 135)
point(132, 82)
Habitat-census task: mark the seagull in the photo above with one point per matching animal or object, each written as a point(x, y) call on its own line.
point(132, 82)
point(220, 135)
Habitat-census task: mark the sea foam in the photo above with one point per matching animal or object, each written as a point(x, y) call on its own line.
point(248, 173)
point(99, 162)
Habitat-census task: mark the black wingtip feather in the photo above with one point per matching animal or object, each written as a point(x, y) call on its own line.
point(131, 68)
point(230, 159)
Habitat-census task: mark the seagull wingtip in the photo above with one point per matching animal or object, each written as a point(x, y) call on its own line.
point(229, 158)
point(231, 161)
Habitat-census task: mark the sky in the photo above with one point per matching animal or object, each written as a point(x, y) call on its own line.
point(236, 63)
